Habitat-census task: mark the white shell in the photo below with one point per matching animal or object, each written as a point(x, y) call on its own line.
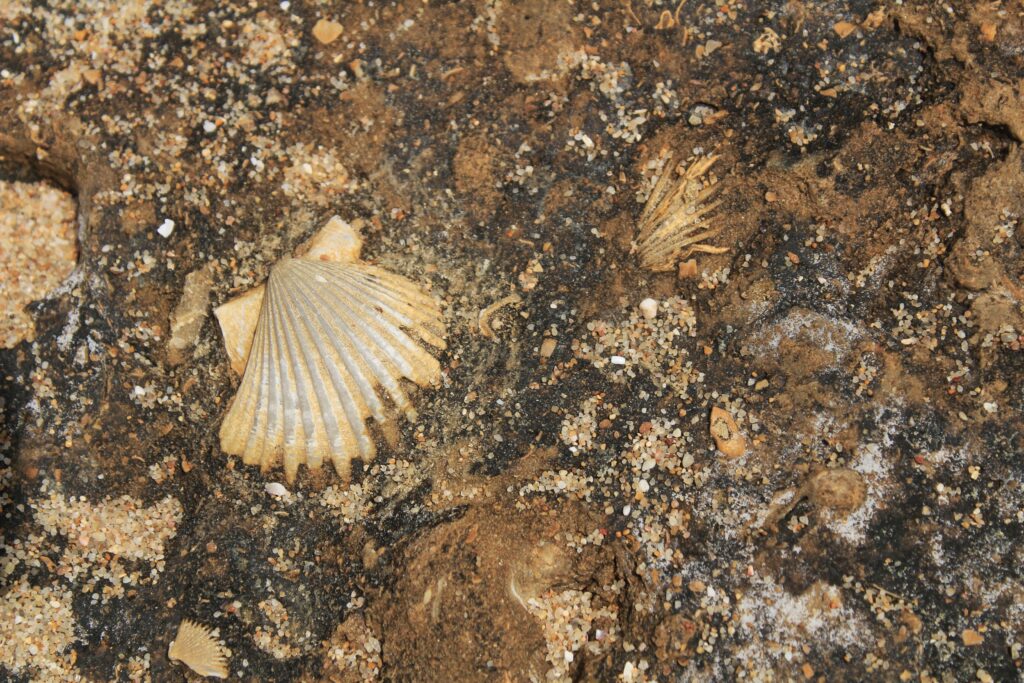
point(276, 489)
point(195, 646)
point(329, 337)
point(674, 222)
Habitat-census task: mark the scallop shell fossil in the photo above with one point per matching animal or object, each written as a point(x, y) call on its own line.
point(674, 222)
point(332, 336)
point(197, 648)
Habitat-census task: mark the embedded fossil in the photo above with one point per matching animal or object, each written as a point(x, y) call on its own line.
point(726, 434)
point(332, 336)
point(484, 318)
point(838, 491)
point(674, 222)
point(197, 648)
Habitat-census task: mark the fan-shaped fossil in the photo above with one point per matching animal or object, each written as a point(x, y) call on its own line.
point(674, 222)
point(333, 335)
point(197, 648)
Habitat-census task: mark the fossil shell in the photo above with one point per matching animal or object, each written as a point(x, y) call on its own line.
point(674, 222)
point(337, 240)
point(188, 316)
point(726, 434)
point(195, 646)
point(330, 336)
point(237, 320)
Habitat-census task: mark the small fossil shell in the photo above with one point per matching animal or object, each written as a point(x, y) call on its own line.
point(674, 222)
point(196, 647)
point(726, 434)
point(331, 338)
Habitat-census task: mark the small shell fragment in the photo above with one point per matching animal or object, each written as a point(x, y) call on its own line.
point(188, 316)
point(197, 648)
point(237, 320)
point(276, 489)
point(484, 318)
point(837, 492)
point(726, 434)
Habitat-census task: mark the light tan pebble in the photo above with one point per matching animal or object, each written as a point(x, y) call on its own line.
point(971, 637)
point(844, 28)
point(276, 489)
point(548, 346)
point(327, 31)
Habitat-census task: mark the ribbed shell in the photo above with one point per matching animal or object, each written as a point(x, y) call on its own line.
point(330, 337)
point(674, 222)
point(195, 646)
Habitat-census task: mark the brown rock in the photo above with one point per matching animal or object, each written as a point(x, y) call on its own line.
point(838, 489)
point(989, 101)
point(687, 269)
point(972, 638)
point(843, 28)
point(673, 636)
point(536, 36)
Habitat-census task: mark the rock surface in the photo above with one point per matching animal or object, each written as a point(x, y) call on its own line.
point(558, 509)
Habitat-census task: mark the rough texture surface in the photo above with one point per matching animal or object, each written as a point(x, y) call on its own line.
point(37, 251)
point(559, 508)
